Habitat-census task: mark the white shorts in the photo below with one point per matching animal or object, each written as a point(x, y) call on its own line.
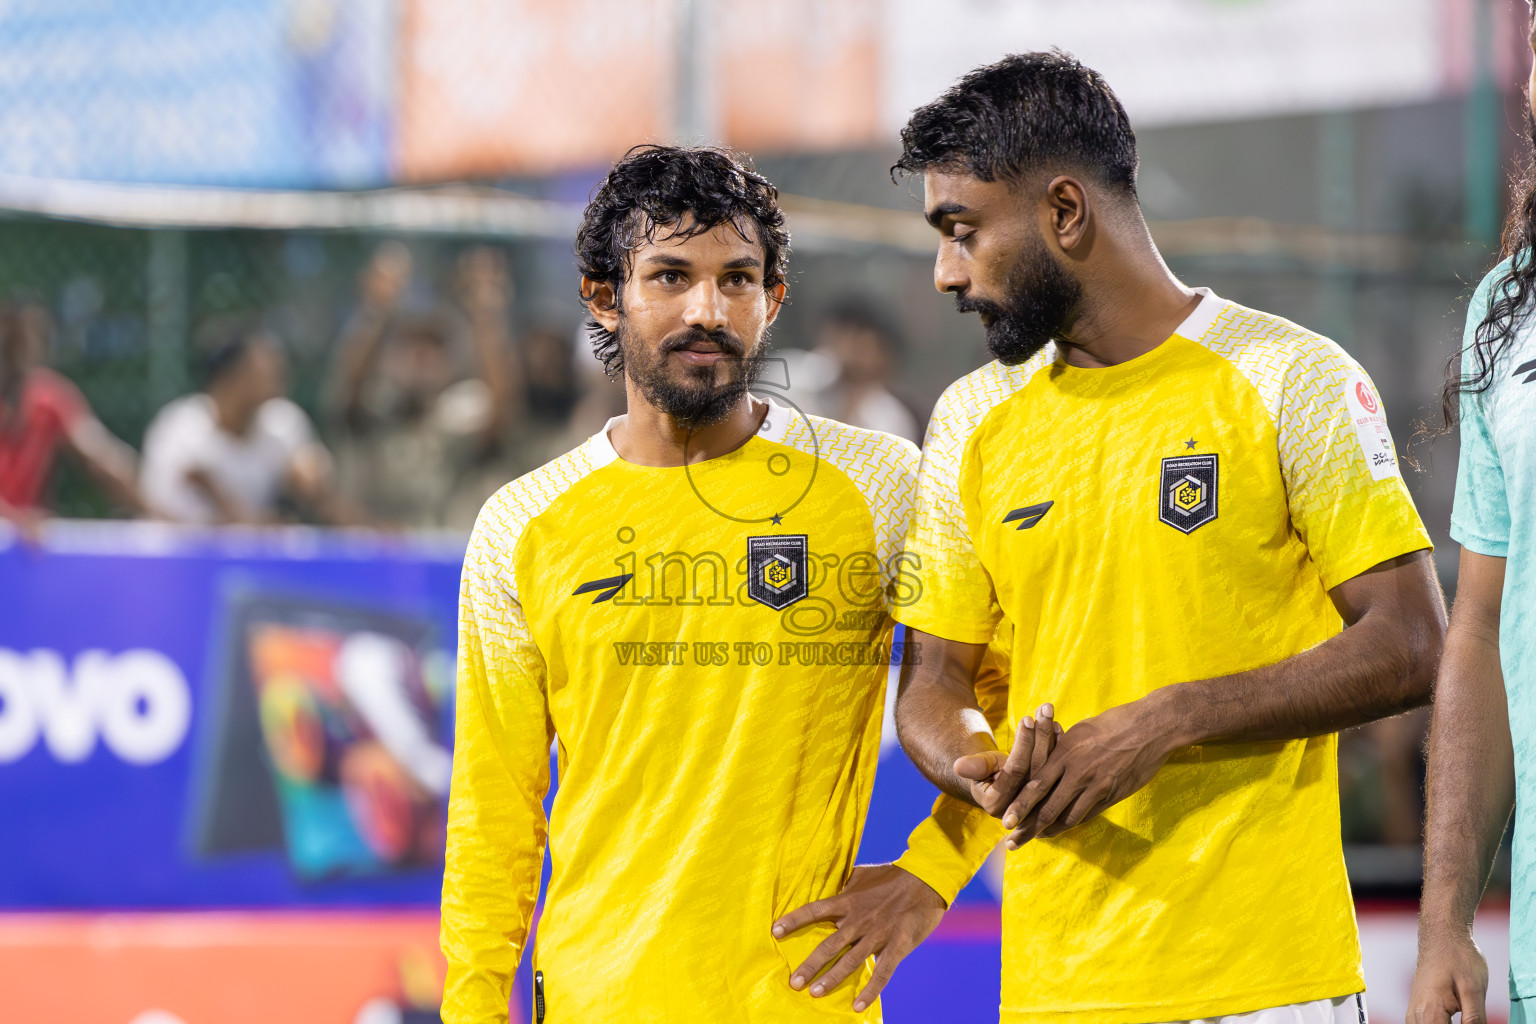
point(1343, 1010)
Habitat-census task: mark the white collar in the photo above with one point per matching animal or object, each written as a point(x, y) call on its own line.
point(1199, 322)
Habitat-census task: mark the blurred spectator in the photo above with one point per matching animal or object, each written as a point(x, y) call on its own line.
point(848, 375)
point(422, 434)
point(233, 452)
point(554, 413)
point(41, 412)
point(550, 367)
point(602, 397)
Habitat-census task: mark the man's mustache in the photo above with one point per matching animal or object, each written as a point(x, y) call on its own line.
point(968, 303)
point(988, 309)
point(726, 341)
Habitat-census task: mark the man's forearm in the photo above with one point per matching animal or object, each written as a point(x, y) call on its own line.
point(359, 341)
point(109, 460)
point(1381, 665)
point(938, 726)
point(1353, 678)
point(948, 847)
point(937, 716)
point(495, 365)
point(1471, 780)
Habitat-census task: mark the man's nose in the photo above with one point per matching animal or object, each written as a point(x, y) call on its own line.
point(948, 275)
point(706, 307)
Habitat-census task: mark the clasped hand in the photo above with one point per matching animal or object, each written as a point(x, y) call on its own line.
point(1051, 781)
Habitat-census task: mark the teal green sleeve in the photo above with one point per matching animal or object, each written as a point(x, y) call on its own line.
point(1480, 516)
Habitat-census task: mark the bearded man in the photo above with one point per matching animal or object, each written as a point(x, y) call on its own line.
point(694, 607)
point(1190, 517)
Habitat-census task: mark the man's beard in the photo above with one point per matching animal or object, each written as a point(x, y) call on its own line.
point(1041, 298)
point(694, 396)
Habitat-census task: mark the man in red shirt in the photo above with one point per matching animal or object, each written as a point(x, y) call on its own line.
point(41, 412)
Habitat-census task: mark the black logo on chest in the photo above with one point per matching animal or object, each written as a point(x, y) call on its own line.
point(776, 570)
point(606, 588)
point(1187, 492)
point(1028, 516)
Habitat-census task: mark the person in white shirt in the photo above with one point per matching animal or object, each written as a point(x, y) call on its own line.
point(233, 451)
point(848, 375)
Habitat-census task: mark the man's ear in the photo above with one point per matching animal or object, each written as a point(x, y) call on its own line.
point(1069, 210)
point(776, 296)
point(601, 301)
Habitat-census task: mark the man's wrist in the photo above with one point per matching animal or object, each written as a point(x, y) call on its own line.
point(1441, 919)
point(915, 876)
point(1163, 715)
point(951, 784)
point(1435, 940)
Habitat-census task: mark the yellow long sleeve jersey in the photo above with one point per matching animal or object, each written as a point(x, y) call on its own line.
point(708, 648)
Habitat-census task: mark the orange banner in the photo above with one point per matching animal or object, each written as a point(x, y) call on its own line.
point(491, 88)
point(497, 87)
point(797, 74)
point(219, 968)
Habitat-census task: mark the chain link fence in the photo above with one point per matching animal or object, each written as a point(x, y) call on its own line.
point(129, 307)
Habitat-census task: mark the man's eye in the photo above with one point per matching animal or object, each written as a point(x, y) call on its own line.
point(669, 277)
point(962, 239)
point(737, 280)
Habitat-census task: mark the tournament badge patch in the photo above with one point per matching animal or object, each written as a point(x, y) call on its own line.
point(1187, 492)
point(776, 570)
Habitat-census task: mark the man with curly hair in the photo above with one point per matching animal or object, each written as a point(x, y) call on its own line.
point(694, 607)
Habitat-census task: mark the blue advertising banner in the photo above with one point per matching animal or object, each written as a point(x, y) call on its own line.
point(246, 718)
point(182, 722)
point(262, 719)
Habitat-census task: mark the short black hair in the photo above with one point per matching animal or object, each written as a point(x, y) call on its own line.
point(224, 342)
point(656, 186)
point(861, 313)
point(1028, 113)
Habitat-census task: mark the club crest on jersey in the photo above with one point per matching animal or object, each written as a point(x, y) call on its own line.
point(776, 570)
point(1187, 492)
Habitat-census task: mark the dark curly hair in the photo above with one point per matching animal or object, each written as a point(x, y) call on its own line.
point(1029, 112)
point(653, 187)
point(1510, 294)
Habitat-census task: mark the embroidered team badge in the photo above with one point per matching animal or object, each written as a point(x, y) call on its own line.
point(776, 570)
point(1187, 492)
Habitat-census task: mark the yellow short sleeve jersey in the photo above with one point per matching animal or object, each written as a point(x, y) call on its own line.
point(1179, 516)
point(708, 648)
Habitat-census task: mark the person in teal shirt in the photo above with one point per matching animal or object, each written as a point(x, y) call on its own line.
point(1482, 758)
